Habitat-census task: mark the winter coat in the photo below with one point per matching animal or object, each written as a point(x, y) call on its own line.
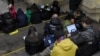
point(86, 41)
point(55, 10)
point(13, 12)
point(28, 14)
point(36, 18)
point(21, 18)
point(65, 48)
point(74, 4)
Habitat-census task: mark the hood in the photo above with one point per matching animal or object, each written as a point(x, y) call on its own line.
point(66, 44)
point(20, 12)
point(29, 12)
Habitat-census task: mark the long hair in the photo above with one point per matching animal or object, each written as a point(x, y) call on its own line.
point(32, 35)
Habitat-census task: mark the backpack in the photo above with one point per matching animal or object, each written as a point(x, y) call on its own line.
point(49, 40)
point(21, 18)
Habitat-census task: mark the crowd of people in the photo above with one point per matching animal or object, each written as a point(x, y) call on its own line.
point(56, 40)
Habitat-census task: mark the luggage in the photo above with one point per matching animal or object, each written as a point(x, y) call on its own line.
point(21, 18)
point(9, 24)
point(33, 42)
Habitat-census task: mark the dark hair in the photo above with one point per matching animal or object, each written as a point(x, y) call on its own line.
point(86, 20)
point(32, 37)
point(34, 8)
point(55, 21)
point(28, 8)
point(32, 29)
point(59, 32)
point(78, 11)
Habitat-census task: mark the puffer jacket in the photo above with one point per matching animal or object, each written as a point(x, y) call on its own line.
point(65, 48)
point(86, 41)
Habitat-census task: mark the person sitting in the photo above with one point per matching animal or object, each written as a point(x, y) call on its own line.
point(63, 46)
point(12, 11)
point(77, 19)
point(36, 17)
point(52, 25)
point(86, 40)
point(33, 41)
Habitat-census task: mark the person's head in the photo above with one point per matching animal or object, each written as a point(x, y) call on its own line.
point(55, 16)
point(85, 21)
point(33, 35)
point(34, 7)
point(55, 20)
point(32, 30)
point(10, 6)
point(55, 3)
point(77, 13)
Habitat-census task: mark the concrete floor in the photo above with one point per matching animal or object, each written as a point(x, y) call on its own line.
point(14, 45)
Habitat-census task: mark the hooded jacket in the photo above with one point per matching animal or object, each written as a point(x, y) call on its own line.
point(28, 14)
point(65, 48)
point(13, 12)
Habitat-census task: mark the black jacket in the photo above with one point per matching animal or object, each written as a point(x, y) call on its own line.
point(74, 4)
point(36, 18)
